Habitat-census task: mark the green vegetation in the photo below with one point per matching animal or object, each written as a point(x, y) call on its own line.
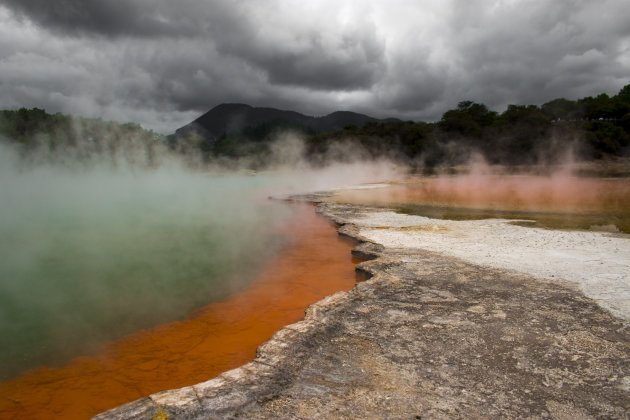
point(58, 137)
point(592, 128)
point(254, 143)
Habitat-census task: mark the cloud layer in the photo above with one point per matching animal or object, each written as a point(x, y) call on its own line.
point(163, 63)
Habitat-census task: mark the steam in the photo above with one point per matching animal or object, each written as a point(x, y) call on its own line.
point(550, 183)
point(102, 238)
point(337, 168)
point(98, 240)
point(87, 256)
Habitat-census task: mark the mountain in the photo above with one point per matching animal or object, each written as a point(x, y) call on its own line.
point(235, 119)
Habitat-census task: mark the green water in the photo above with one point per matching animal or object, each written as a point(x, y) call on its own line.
point(89, 256)
point(606, 222)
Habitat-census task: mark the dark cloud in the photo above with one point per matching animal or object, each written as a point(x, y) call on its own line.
point(307, 53)
point(162, 62)
point(105, 17)
point(355, 65)
point(542, 51)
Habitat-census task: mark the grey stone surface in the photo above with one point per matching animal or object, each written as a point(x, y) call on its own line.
point(426, 336)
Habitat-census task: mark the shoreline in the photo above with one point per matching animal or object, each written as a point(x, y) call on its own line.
point(596, 263)
point(426, 335)
point(213, 339)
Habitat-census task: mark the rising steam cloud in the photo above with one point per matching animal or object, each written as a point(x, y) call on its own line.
point(104, 239)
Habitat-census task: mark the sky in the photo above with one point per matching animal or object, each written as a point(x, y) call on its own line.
point(163, 63)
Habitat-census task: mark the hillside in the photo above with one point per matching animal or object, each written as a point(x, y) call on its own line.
point(586, 129)
point(255, 123)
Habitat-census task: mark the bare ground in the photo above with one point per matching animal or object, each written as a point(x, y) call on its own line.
point(427, 336)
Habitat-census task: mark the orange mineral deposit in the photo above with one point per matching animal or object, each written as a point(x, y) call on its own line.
point(218, 337)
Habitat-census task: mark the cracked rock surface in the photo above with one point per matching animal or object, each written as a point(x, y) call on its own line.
point(427, 336)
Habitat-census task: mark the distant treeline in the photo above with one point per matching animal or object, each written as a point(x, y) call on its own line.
point(39, 136)
point(591, 128)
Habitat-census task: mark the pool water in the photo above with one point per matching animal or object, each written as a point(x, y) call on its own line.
point(315, 262)
point(556, 202)
point(88, 258)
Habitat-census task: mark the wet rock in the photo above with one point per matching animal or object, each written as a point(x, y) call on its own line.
point(427, 336)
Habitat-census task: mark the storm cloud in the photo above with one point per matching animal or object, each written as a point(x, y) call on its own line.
point(163, 63)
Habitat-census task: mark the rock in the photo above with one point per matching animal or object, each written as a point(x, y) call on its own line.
point(427, 336)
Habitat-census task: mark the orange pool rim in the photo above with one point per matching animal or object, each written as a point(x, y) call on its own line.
point(219, 337)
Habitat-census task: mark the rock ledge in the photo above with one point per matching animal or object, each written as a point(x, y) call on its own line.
point(427, 336)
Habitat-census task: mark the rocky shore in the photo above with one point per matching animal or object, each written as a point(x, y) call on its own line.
point(427, 335)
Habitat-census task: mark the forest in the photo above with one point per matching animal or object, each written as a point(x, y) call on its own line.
point(591, 128)
point(40, 137)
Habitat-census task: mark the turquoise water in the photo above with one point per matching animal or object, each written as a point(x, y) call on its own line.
point(89, 256)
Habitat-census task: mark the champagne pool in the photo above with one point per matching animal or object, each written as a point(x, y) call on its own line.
point(88, 257)
point(218, 337)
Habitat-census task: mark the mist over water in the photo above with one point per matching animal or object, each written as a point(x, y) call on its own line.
point(558, 200)
point(92, 251)
point(87, 256)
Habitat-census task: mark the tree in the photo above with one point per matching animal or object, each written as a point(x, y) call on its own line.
point(599, 107)
point(625, 90)
point(606, 137)
point(563, 109)
point(468, 119)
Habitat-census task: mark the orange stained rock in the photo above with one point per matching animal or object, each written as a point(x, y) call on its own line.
point(219, 337)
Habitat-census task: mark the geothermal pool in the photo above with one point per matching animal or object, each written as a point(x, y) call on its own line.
point(89, 259)
point(86, 258)
point(557, 201)
point(562, 229)
point(92, 254)
point(314, 263)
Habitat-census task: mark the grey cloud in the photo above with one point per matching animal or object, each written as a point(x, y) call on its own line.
point(323, 57)
point(144, 18)
point(354, 66)
point(76, 16)
point(164, 61)
point(532, 52)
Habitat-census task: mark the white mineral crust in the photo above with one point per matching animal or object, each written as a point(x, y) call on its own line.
point(597, 263)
